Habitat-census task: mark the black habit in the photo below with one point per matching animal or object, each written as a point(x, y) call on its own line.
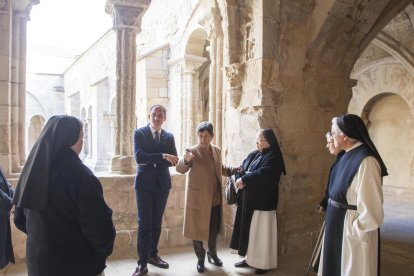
point(260, 193)
point(6, 248)
point(74, 234)
point(341, 178)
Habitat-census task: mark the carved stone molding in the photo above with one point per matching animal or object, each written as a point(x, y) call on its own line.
point(127, 13)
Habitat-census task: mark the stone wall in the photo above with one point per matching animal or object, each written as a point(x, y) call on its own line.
point(90, 95)
point(120, 196)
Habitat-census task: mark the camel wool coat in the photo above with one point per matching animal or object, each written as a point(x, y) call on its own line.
point(199, 190)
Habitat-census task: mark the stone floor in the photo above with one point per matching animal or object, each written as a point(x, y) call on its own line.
point(397, 253)
point(182, 262)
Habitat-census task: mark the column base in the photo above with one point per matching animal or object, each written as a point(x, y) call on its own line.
point(122, 164)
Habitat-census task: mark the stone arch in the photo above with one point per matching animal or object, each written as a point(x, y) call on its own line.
point(33, 106)
point(37, 122)
point(198, 45)
point(389, 121)
point(195, 64)
point(344, 30)
point(385, 77)
point(383, 98)
point(195, 42)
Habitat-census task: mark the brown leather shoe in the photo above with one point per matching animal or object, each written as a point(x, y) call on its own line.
point(141, 270)
point(158, 262)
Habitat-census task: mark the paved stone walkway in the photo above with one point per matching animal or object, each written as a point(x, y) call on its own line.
point(397, 236)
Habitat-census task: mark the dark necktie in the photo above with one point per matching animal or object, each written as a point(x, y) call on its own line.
point(157, 138)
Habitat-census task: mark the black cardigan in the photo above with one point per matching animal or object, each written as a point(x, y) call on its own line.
point(261, 180)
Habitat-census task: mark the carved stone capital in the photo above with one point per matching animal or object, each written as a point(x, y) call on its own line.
point(25, 13)
point(127, 14)
point(20, 7)
point(234, 96)
point(233, 73)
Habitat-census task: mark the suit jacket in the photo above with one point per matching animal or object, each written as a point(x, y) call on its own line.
point(200, 187)
point(152, 170)
point(6, 249)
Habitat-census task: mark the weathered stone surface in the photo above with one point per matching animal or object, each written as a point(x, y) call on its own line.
point(125, 245)
point(176, 238)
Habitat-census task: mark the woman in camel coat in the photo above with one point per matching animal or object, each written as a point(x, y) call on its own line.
point(204, 200)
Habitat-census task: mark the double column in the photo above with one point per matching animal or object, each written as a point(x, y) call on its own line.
point(191, 94)
point(14, 15)
point(127, 15)
point(212, 24)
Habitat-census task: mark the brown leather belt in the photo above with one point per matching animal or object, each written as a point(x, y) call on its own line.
point(339, 205)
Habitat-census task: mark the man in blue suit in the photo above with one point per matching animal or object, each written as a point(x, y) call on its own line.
point(155, 152)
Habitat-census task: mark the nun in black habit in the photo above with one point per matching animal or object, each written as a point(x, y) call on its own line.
point(354, 212)
point(60, 206)
point(6, 248)
point(255, 227)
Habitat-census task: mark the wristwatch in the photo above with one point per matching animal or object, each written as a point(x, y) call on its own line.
point(164, 156)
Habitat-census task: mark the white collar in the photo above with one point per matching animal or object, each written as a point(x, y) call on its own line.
point(354, 146)
point(153, 130)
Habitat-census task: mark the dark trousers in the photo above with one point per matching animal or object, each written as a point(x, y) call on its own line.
point(213, 232)
point(151, 205)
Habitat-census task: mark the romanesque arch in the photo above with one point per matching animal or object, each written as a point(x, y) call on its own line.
point(384, 98)
point(37, 122)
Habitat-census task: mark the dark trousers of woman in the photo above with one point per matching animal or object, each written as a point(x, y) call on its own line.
point(213, 232)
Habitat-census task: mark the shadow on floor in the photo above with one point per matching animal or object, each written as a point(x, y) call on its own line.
point(397, 242)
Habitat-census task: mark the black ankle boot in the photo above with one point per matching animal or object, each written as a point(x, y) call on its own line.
point(241, 264)
point(200, 266)
point(213, 259)
point(261, 271)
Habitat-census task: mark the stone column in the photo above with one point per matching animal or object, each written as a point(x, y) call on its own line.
point(127, 15)
point(13, 17)
point(219, 89)
point(190, 65)
point(5, 65)
point(212, 24)
point(22, 18)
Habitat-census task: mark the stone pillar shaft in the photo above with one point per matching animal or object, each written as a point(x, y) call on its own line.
point(127, 17)
point(125, 72)
point(212, 84)
point(14, 16)
point(191, 64)
point(5, 86)
point(21, 127)
point(219, 90)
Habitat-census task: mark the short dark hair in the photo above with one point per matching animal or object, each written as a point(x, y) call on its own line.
point(203, 126)
point(164, 110)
